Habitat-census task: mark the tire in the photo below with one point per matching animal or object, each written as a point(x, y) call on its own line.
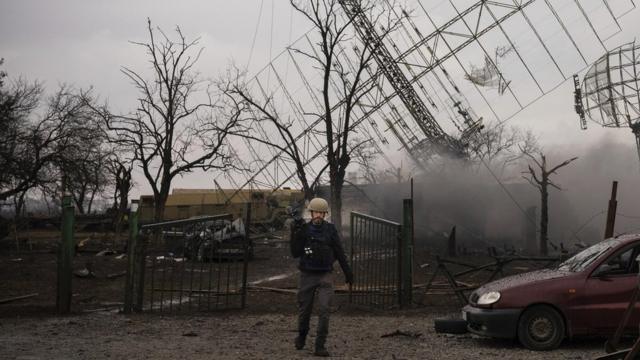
point(450, 326)
point(541, 328)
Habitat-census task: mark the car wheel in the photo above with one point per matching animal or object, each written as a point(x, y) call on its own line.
point(541, 328)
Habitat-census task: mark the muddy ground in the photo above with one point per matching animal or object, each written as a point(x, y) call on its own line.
point(29, 328)
point(242, 335)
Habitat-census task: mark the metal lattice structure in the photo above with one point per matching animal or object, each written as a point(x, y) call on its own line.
point(401, 85)
point(447, 62)
point(610, 91)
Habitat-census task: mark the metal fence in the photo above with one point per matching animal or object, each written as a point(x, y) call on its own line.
point(197, 264)
point(376, 252)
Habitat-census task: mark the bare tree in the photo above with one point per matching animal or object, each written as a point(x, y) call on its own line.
point(501, 146)
point(540, 178)
point(34, 151)
point(365, 157)
point(261, 112)
point(174, 130)
point(120, 171)
point(333, 31)
point(87, 177)
point(23, 146)
point(81, 166)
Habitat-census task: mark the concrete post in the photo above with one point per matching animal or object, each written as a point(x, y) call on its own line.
point(65, 257)
point(131, 259)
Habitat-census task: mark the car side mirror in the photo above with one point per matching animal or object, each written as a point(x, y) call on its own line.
point(602, 271)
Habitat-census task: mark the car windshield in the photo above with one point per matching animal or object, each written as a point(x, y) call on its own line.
point(587, 256)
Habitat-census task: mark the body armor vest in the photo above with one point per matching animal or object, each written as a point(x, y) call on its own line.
point(318, 253)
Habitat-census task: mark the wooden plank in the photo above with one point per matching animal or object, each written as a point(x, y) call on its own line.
point(16, 298)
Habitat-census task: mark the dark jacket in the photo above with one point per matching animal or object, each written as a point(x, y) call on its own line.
point(300, 238)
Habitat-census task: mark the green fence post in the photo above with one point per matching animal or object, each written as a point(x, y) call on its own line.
point(141, 261)
point(351, 234)
point(407, 253)
point(131, 258)
point(248, 246)
point(65, 257)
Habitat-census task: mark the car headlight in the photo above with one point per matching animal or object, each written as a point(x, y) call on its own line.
point(489, 298)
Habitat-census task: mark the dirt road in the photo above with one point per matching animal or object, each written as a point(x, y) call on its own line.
point(251, 336)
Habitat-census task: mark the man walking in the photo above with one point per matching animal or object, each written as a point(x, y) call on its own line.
point(318, 246)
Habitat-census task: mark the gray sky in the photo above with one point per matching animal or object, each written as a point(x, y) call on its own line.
point(85, 42)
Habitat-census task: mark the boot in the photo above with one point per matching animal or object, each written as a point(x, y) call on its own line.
point(320, 349)
point(300, 340)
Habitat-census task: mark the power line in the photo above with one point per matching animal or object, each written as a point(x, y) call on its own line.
point(575, 233)
point(255, 34)
point(628, 216)
point(532, 221)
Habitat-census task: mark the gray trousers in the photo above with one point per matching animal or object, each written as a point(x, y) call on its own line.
point(310, 283)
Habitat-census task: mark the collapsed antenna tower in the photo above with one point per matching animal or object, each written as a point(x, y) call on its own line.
point(403, 88)
point(447, 61)
point(610, 91)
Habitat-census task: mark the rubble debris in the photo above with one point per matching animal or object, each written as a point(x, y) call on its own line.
point(108, 310)
point(16, 298)
point(87, 272)
point(83, 242)
point(87, 299)
point(273, 278)
point(170, 257)
point(83, 273)
point(116, 275)
point(111, 303)
point(105, 252)
point(411, 334)
point(265, 288)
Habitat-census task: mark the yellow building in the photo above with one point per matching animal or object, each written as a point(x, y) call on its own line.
point(267, 206)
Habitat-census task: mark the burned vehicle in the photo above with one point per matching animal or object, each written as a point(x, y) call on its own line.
point(212, 240)
point(585, 295)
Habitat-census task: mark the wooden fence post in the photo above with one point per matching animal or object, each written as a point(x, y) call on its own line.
point(611, 212)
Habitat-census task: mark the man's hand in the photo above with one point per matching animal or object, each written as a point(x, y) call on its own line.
point(298, 224)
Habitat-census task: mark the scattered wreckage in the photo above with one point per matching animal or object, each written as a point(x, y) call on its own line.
point(219, 239)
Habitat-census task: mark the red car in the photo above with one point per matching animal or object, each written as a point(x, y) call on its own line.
point(585, 295)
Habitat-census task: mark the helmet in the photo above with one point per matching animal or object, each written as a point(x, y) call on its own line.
point(319, 205)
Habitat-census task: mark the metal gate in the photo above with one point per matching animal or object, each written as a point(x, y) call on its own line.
point(376, 252)
point(197, 264)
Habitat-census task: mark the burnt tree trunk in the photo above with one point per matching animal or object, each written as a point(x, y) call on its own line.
point(159, 201)
point(542, 183)
point(336, 207)
point(544, 217)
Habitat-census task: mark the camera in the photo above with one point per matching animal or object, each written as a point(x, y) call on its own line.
point(296, 214)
